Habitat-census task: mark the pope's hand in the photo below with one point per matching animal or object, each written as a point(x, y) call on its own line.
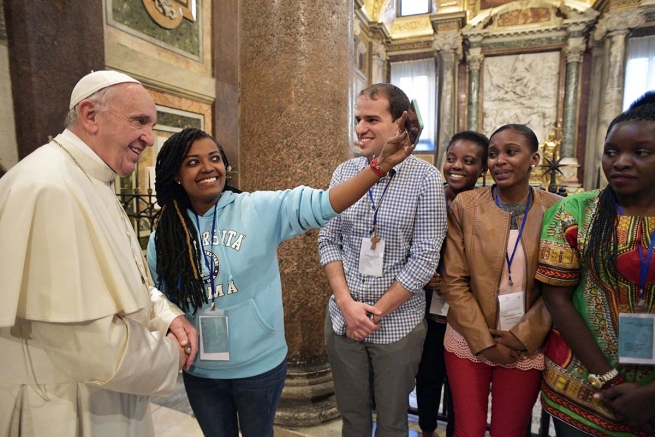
point(187, 337)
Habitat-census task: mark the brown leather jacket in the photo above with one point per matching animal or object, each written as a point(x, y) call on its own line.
point(474, 257)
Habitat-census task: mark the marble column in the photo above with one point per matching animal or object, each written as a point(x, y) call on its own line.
point(51, 46)
point(379, 62)
point(613, 29)
point(225, 21)
point(295, 77)
point(474, 59)
point(574, 51)
point(448, 47)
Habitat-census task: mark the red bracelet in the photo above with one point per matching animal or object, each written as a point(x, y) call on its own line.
point(619, 380)
point(376, 168)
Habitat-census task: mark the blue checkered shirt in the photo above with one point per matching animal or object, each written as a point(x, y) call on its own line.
point(412, 222)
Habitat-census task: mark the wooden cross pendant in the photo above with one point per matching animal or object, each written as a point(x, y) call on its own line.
point(374, 240)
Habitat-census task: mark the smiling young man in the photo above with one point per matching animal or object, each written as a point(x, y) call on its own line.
point(378, 255)
point(82, 332)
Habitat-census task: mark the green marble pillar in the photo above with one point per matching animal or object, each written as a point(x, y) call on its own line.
point(574, 51)
point(474, 59)
point(474, 94)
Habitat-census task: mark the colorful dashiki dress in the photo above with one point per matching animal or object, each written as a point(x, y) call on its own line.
point(566, 392)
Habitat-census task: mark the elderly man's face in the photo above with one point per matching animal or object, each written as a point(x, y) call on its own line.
point(125, 129)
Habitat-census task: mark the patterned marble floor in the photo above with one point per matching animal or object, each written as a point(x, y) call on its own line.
point(172, 417)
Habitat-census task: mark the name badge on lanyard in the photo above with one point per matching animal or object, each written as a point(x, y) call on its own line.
point(637, 330)
point(636, 338)
point(214, 335)
point(371, 252)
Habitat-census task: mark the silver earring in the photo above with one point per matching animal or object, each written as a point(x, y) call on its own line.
point(532, 166)
point(229, 168)
point(178, 182)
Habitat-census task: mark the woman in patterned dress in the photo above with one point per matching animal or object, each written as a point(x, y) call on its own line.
point(595, 263)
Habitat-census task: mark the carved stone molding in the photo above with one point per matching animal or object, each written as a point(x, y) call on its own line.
point(619, 22)
point(448, 42)
point(379, 50)
point(357, 28)
point(474, 59)
point(575, 49)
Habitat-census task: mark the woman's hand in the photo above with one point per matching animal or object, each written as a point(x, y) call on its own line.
point(397, 148)
point(500, 354)
point(434, 283)
point(632, 403)
point(508, 339)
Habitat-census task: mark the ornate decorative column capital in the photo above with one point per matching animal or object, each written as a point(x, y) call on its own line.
point(379, 50)
point(448, 42)
point(619, 22)
point(575, 47)
point(474, 58)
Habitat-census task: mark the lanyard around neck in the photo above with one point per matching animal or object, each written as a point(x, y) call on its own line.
point(644, 266)
point(210, 265)
point(516, 243)
point(375, 208)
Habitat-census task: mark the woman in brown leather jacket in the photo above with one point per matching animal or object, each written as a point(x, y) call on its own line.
point(497, 319)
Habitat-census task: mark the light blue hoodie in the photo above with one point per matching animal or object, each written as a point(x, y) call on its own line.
point(248, 230)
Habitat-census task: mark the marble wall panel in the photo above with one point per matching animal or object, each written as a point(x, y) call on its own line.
point(132, 17)
point(521, 88)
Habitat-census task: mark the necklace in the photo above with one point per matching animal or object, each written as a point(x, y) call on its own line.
point(512, 208)
point(122, 213)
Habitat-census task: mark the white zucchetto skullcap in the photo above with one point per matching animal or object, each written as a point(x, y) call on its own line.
point(96, 81)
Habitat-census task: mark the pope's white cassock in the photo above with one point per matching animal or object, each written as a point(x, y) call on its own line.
point(82, 337)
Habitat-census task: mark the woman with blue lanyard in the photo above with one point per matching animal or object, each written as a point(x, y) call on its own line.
point(497, 319)
point(215, 255)
point(598, 271)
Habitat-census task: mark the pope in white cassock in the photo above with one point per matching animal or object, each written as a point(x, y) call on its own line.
point(83, 338)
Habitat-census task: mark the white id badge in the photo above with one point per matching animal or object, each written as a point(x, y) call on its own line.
point(214, 337)
point(371, 259)
point(512, 308)
point(636, 338)
point(438, 306)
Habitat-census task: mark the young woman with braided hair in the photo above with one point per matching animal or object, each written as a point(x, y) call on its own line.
point(214, 253)
point(599, 285)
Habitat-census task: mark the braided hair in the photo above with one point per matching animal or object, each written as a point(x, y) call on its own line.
point(602, 247)
point(179, 251)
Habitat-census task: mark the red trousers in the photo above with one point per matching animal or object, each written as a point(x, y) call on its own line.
point(513, 394)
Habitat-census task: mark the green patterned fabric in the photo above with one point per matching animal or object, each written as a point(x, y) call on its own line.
point(566, 393)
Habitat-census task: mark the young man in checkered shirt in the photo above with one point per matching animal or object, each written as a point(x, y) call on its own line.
point(378, 254)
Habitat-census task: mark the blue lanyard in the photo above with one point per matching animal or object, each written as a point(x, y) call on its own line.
point(643, 266)
point(209, 265)
point(392, 173)
point(516, 243)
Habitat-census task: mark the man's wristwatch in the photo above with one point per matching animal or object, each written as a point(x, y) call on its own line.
point(371, 317)
point(599, 381)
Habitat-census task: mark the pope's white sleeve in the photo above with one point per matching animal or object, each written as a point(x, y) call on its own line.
point(163, 311)
point(116, 352)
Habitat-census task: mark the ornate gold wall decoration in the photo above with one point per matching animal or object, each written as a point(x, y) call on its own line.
point(411, 27)
point(411, 46)
point(446, 3)
point(169, 13)
point(618, 4)
point(448, 26)
point(486, 4)
point(523, 16)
